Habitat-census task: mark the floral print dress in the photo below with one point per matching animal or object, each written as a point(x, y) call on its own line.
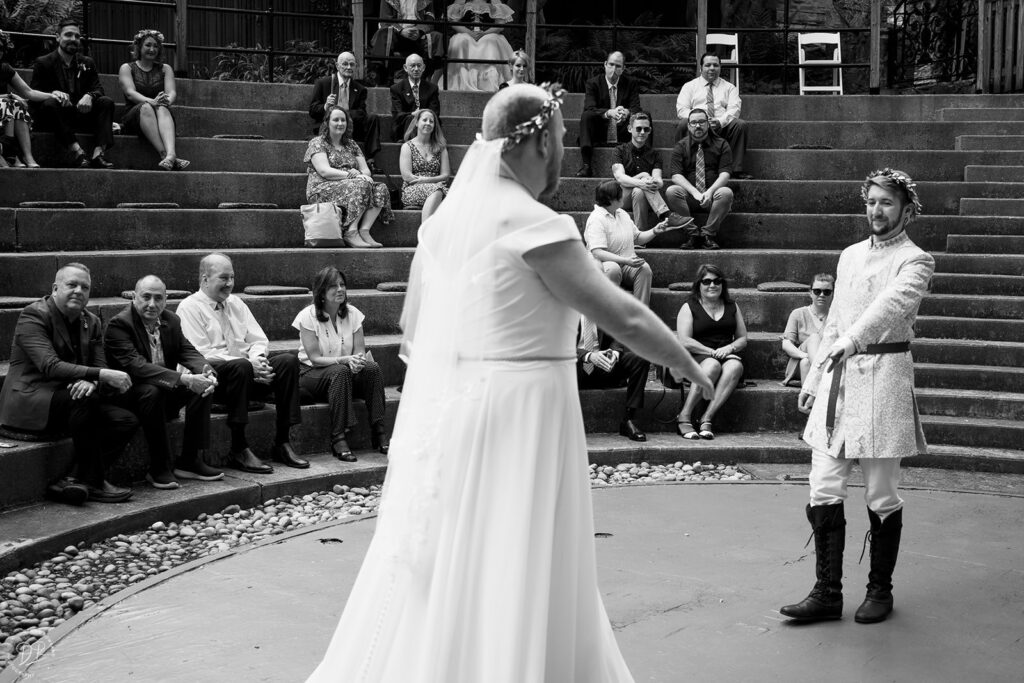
point(353, 195)
point(414, 196)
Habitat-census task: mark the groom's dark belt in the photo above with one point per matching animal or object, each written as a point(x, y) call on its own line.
point(837, 378)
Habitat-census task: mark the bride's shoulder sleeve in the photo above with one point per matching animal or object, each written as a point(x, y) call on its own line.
point(549, 230)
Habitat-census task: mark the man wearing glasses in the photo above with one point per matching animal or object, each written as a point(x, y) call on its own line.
point(637, 168)
point(720, 99)
point(610, 99)
point(700, 168)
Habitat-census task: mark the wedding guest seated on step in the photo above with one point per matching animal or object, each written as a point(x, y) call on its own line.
point(803, 331)
point(611, 235)
point(700, 168)
point(721, 101)
point(15, 121)
point(483, 40)
point(341, 89)
point(710, 326)
point(337, 173)
point(610, 99)
point(637, 168)
point(223, 329)
point(410, 94)
point(335, 365)
point(149, 92)
point(59, 382)
point(602, 362)
point(145, 340)
point(424, 164)
point(519, 63)
point(79, 103)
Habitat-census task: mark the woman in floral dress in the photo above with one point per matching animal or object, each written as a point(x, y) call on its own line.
point(424, 164)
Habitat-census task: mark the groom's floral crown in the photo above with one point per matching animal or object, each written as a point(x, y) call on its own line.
point(891, 176)
point(537, 122)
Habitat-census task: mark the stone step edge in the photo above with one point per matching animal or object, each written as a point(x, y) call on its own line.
point(97, 522)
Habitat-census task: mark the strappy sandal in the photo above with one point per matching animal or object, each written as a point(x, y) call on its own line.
point(705, 430)
point(690, 435)
point(166, 163)
point(181, 164)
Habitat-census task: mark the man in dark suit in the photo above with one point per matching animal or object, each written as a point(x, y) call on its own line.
point(405, 29)
point(80, 103)
point(59, 382)
point(610, 99)
point(602, 362)
point(145, 340)
point(342, 90)
point(410, 94)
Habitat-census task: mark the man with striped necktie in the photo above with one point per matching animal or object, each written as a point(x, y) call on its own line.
point(721, 100)
point(700, 168)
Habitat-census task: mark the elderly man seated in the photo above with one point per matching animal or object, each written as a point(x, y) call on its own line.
point(145, 340)
point(59, 382)
point(611, 234)
point(343, 90)
point(224, 330)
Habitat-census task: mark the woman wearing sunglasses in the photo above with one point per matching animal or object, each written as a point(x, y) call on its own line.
point(711, 328)
point(803, 331)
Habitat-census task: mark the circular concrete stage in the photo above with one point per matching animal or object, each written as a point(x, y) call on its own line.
point(693, 576)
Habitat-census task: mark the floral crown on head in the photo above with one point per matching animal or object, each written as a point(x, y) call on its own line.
point(146, 33)
point(539, 120)
point(902, 180)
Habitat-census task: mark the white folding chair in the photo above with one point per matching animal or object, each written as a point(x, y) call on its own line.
point(836, 62)
point(729, 40)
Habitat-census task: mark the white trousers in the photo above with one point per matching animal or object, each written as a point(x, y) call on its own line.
point(881, 482)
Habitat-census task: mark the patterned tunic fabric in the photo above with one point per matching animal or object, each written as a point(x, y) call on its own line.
point(353, 195)
point(878, 291)
point(413, 196)
point(148, 84)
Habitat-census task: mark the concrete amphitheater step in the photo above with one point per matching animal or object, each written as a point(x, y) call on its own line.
point(982, 114)
point(966, 283)
point(107, 188)
point(956, 351)
point(977, 140)
point(994, 173)
point(985, 244)
point(113, 229)
point(970, 376)
point(970, 403)
point(991, 206)
point(976, 432)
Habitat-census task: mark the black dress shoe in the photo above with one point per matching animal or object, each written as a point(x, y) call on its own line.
point(284, 454)
point(100, 161)
point(68, 490)
point(692, 243)
point(247, 461)
point(79, 161)
point(379, 439)
point(342, 451)
point(108, 493)
point(630, 430)
point(710, 244)
point(585, 171)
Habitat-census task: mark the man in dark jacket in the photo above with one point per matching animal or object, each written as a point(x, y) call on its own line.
point(342, 90)
point(409, 94)
point(610, 99)
point(59, 382)
point(145, 340)
point(80, 104)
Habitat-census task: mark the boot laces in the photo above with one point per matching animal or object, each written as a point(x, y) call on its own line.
point(867, 536)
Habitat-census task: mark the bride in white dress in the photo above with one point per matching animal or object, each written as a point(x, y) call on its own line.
point(481, 41)
point(482, 566)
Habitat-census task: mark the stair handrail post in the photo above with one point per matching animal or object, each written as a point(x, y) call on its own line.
point(358, 36)
point(531, 38)
point(875, 78)
point(984, 49)
point(702, 29)
point(181, 38)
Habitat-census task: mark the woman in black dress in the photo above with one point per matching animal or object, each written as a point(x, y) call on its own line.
point(710, 326)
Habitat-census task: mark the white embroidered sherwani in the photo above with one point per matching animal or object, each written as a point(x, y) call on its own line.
point(878, 291)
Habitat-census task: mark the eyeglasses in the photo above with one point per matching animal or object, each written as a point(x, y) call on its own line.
point(642, 129)
point(698, 124)
point(822, 292)
point(708, 281)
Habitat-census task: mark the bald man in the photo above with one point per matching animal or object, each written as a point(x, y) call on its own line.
point(342, 89)
point(59, 382)
point(145, 340)
point(610, 99)
point(224, 330)
point(411, 93)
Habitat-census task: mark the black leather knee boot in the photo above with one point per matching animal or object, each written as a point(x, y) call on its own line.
point(825, 600)
point(885, 546)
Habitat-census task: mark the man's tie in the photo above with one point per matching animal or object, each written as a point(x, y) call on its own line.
point(699, 179)
point(613, 132)
point(343, 96)
point(711, 102)
point(229, 333)
point(416, 93)
point(588, 340)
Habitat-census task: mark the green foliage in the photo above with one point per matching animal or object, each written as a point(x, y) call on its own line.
point(39, 16)
point(254, 67)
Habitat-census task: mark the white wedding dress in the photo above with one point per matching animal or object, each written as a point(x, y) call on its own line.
point(482, 566)
point(491, 46)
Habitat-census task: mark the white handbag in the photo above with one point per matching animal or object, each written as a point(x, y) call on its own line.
point(322, 224)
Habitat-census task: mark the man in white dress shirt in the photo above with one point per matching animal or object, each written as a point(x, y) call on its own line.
point(721, 100)
point(223, 329)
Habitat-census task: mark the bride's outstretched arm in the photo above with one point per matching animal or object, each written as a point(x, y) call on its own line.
point(572, 276)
